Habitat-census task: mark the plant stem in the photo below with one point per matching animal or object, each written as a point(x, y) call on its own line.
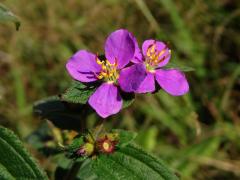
point(98, 129)
point(72, 173)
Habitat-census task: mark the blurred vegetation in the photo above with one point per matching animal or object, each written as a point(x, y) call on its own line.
point(197, 134)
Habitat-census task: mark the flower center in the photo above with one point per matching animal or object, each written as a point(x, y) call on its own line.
point(109, 71)
point(154, 57)
point(106, 146)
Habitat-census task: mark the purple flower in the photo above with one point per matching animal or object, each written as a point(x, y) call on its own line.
point(141, 76)
point(86, 67)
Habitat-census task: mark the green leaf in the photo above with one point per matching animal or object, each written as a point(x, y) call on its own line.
point(85, 172)
point(63, 165)
point(79, 93)
point(180, 67)
point(129, 162)
point(76, 144)
point(7, 16)
point(48, 139)
point(39, 138)
point(15, 161)
point(125, 137)
point(62, 114)
point(4, 174)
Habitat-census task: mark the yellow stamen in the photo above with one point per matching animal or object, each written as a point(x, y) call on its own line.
point(109, 71)
point(153, 48)
point(103, 73)
point(161, 53)
point(103, 67)
point(108, 63)
point(99, 76)
point(154, 57)
point(99, 62)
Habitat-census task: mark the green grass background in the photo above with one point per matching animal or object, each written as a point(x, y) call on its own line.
point(196, 134)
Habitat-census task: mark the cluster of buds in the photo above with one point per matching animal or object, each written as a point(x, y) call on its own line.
point(104, 144)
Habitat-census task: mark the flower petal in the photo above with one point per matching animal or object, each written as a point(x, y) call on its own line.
point(172, 81)
point(148, 84)
point(131, 77)
point(106, 100)
point(119, 46)
point(160, 46)
point(138, 58)
point(82, 66)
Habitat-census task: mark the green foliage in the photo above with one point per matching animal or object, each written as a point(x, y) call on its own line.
point(15, 161)
point(125, 137)
point(179, 67)
point(76, 144)
point(40, 138)
point(128, 162)
point(62, 114)
point(7, 16)
point(79, 93)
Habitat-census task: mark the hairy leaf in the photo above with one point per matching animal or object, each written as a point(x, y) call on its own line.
point(125, 137)
point(129, 162)
point(63, 115)
point(79, 93)
point(15, 161)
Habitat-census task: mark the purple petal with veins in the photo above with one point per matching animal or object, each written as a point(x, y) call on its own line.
point(119, 47)
point(148, 84)
point(138, 58)
point(172, 81)
point(82, 66)
point(106, 100)
point(131, 77)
